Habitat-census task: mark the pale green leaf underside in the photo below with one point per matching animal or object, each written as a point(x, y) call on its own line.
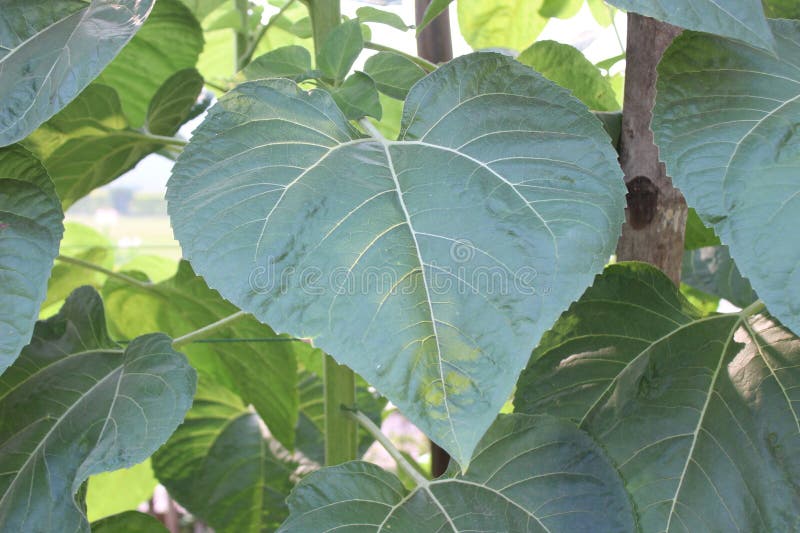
point(30, 229)
point(219, 465)
point(75, 404)
point(58, 57)
point(425, 264)
point(512, 24)
point(699, 414)
point(529, 474)
point(727, 122)
point(743, 20)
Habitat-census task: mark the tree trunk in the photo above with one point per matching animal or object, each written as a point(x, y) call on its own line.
point(656, 213)
point(434, 43)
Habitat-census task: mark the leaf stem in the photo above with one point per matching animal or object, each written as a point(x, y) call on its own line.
point(752, 309)
point(375, 431)
point(424, 64)
point(248, 55)
point(242, 35)
point(160, 139)
point(206, 330)
point(371, 130)
point(110, 273)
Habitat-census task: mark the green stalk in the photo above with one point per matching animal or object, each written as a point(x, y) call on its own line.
point(242, 36)
point(251, 48)
point(206, 331)
point(110, 273)
point(341, 431)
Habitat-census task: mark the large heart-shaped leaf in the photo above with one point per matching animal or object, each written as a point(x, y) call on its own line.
point(170, 40)
point(263, 372)
point(726, 122)
point(30, 230)
point(50, 52)
point(75, 404)
point(699, 414)
point(739, 19)
point(425, 264)
point(530, 474)
point(219, 465)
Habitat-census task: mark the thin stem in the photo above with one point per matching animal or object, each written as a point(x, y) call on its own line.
point(376, 432)
point(426, 65)
point(110, 273)
point(160, 139)
point(616, 30)
point(263, 31)
point(205, 331)
point(752, 309)
point(242, 36)
point(372, 130)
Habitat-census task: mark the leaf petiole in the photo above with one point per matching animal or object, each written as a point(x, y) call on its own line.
point(376, 432)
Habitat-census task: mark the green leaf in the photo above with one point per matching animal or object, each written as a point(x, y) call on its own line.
point(371, 14)
point(513, 24)
point(700, 414)
point(263, 372)
point(88, 144)
point(340, 50)
point(726, 123)
point(713, 271)
point(86, 244)
point(529, 474)
point(394, 74)
point(30, 229)
point(612, 123)
point(357, 97)
point(75, 404)
point(567, 66)
point(50, 53)
point(381, 251)
point(220, 467)
point(173, 102)
point(602, 12)
point(292, 62)
point(563, 9)
point(705, 303)
point(782, 9)
point(697, 234)
point(743, 20)
point(434, 9)
point(170, 40)
point(129, 522)
point(104, 497)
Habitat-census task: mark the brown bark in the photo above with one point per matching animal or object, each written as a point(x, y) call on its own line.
point(434, 43)
point(656, 213)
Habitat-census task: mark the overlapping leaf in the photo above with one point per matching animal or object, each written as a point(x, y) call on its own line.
point(50, 52)
point(512, 24)
point(170, 40)
point(530, 474)
point(75, 404)
point(699, 414)
point(568, 67)
point(394, 74)
point(726, 122)
point(712, 270)
point(219, 465)
point(738, 19)
point(173, 102)
point(129, 522)
point(424, 264)
point(263, 372)
point(30, 230)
